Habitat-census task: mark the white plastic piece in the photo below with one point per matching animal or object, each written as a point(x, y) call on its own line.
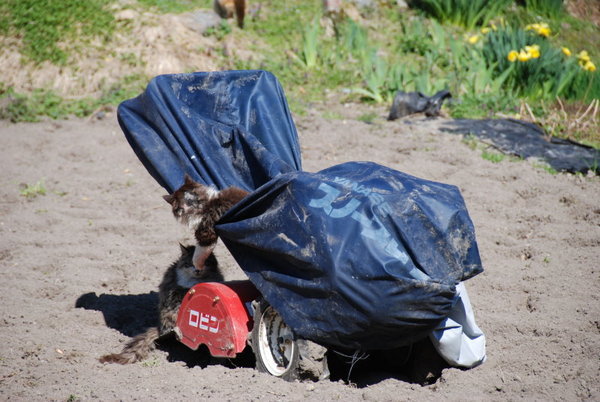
point(458, 339)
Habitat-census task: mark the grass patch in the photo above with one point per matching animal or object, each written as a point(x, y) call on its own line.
point(458, 45)
point(368, 118)
point(553, 9)
point(493, 157)
point(332, 115)
point(545, 167)
point(30, 107)
point(465, 13)
point(219, 31)
point(471, 141)
point(46, 26)
point(31, 191)
point(177, 6)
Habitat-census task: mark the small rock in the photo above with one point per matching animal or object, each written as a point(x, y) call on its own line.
point(124, 15)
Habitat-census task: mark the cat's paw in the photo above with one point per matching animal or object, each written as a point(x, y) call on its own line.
point(201, 253)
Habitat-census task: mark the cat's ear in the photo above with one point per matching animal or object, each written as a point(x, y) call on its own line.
point(187, 250)
point(169, 198)
point(188, 179)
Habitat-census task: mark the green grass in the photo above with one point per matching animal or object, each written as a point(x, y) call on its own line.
point(471, 141)
point(553, 9)
point(550, 75)
point(33, 190)
point(45, 27)
point(368, 118)
point(30, 107)
point(175, 6)
point(220, 31)
point(368, 61)
point(493, 157)
point(465, 13)
point(545, 167)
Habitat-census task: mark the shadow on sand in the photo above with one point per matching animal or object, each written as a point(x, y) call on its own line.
point(133, 314)
point(418, 364)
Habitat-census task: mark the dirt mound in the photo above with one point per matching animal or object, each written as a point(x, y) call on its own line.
point(146, 45)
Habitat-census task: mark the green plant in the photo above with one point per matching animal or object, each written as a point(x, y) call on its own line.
point(548, 8)
point(219, 31)
point(153, 361)
point(332, 115)
point(486, 105)
point(375, 73)
point(44, 26)
point(465, 13)
point(415, 37)
point(471, 141)
point(493, 157)
point(179, 6)
point(18, 107)
point(547, 168)
point(32, 191)
point(533, 67)
point(368, 117)
point(310, 41)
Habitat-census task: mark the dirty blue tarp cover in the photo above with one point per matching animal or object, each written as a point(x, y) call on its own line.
point(356, 256)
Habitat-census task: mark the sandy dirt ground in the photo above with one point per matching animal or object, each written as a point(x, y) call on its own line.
point(81, 264)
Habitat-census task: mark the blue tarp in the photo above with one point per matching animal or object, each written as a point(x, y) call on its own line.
point(222, 128)
point(356, 256)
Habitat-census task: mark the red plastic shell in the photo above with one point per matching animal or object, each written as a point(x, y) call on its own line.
point(215, 315)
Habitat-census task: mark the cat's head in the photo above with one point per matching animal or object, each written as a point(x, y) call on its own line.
point(189, 199)
point(188, 275)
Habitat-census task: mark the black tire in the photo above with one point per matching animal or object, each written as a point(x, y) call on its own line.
point(278, 351)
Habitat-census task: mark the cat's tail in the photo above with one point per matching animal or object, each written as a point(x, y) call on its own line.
point(137, 349)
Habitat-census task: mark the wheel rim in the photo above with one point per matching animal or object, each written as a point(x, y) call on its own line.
point(275, 342)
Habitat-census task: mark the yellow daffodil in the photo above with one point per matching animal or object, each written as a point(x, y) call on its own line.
point(583, 56)
point(589, 66)
point(494, 27)
point(473, 39)
point(485, 30)
point(566, 51)
point(533, 51)
point(523, 56)
point(541, 29)
point(512, 56)
point(544, 32)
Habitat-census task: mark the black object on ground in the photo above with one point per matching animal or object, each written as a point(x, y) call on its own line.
point(527, 140)
point(407, 103)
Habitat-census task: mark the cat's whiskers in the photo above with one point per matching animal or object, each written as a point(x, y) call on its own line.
point(185, 280)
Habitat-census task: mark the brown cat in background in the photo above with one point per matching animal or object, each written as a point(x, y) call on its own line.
point(200, 207)
point(177, 280)
point(226, 9)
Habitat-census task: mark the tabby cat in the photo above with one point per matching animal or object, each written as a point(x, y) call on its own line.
point(177, 280)
point(200, 207)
